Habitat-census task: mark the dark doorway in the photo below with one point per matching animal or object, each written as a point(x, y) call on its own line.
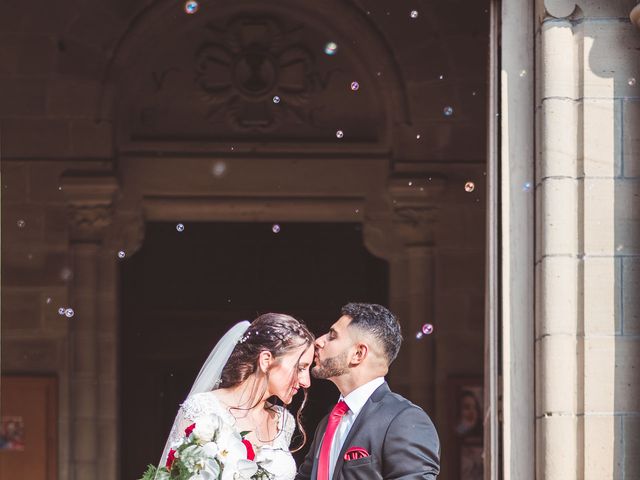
point(183, 290)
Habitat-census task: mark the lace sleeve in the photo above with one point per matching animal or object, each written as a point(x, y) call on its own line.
point(194, 407)
point(287, 425)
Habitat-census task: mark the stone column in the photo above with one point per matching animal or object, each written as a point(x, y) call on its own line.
point(90, 201)
point(587, 346)
point(404, 236)
point(123, 238)
point(517, 238)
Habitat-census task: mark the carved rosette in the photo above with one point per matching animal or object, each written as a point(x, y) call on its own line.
point(255, 74)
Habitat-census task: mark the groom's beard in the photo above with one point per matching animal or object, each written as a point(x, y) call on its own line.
point(331, 367)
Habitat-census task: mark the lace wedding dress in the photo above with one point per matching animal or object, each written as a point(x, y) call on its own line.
point(275, 458)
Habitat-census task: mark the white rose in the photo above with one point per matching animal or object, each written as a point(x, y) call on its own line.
point(206, 428)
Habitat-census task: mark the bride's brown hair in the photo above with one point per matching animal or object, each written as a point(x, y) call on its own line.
point(278, 334)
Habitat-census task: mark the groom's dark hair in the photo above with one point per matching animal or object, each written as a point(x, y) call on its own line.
point(379, 322)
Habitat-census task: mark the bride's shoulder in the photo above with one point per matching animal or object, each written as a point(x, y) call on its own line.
point(199, 404)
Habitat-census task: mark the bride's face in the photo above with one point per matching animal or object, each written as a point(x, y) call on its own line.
point(290, 372)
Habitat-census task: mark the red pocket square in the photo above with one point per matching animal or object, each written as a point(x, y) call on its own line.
point(355, 453)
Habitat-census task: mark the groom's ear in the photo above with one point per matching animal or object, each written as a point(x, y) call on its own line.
point(360, 353)
point(264, 361)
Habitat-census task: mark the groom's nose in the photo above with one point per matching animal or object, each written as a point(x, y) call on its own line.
point(319, 342)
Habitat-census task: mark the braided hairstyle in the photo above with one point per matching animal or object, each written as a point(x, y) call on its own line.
point(276, 333)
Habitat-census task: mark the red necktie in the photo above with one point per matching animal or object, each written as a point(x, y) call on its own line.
point(325, 450)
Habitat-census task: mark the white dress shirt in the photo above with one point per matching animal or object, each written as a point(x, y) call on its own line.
point(355, 401)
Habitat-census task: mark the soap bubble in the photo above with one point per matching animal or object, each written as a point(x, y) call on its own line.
point(339, 134)
point(275, 228)
point(48, 300)
point(527, 186)
point(61, 311)
point(21, 223)
point(66, 274)
point(427, 329)
point(180, 227)
point(523, 73)
point(276, 99)
point(632, 82)
point(331, 48)
point(414, 14)
point(448, 111)
point(191, 7)
point(68, 312)
point(419, 335)
point(219, 169)
point(355, 86)
point(469, 187)
point(121, 254)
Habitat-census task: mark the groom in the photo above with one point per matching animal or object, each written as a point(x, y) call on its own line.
point(371, 433)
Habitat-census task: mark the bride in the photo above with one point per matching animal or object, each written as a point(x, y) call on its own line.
point(250, 364)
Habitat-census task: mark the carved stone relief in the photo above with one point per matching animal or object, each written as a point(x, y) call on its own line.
point(256, 74)
point(247, 77)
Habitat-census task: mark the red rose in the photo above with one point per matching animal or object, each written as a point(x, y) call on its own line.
point(189, 429)
point(170, 458)
point(250, 453)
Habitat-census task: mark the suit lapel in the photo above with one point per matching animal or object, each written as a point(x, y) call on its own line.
point(369, 409)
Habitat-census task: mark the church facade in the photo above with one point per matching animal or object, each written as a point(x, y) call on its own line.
point(486, 153)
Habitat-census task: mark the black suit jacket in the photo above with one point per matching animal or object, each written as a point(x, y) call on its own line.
point(401, 440)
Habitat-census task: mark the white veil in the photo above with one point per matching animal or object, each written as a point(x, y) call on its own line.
point(209, 377)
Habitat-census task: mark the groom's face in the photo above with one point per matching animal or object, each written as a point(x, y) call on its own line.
point(333, 350)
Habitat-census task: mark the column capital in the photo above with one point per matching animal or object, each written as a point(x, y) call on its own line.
point(415, 202)
point(90, 198)
point(409, 217)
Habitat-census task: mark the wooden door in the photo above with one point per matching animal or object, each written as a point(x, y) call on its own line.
point(28, 428)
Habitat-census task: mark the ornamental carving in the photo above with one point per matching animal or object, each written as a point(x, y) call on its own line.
point(90, 217)
point(247, 78)
point(90, 198)
point(256, 73)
